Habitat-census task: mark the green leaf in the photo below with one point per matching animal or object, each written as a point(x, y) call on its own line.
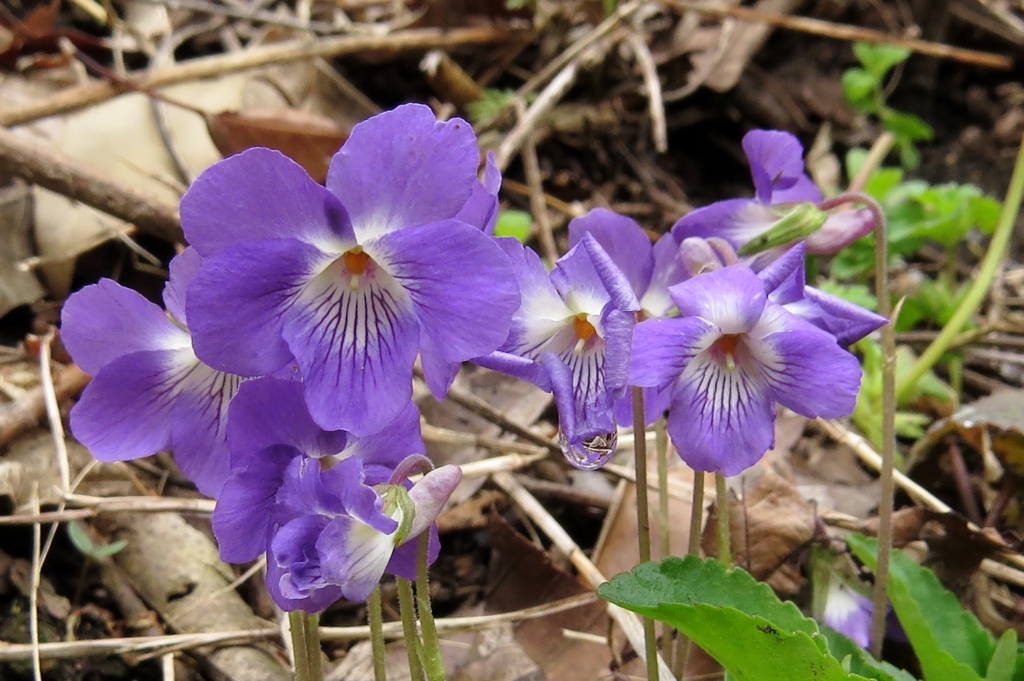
point(492, 101)
point(859, 86)
point(910, 157)
point(880, 58)
point(79, 538)
point(883, 181)
point(1004, 661)
point(110, 549)
point(856, 260)
point(514, 223)
point(84, 544)
point(855, 158)
point(907, 125)
point(736, 619)
point(860, 661)
point(985, 211)
point(950, 642)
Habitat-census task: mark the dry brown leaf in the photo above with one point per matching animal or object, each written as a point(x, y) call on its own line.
point(29, 467)
point(619, 550)
point(525, 576)
point(497, 656)
point(17, 287)
point(357, 665)
point(777, 522)
point(307, 138)
point(520, 401)
point(955, 550)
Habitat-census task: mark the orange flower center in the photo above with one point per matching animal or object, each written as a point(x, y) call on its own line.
point(356, 260)
point(727, 346)
point(727, 343)
point(584, 329)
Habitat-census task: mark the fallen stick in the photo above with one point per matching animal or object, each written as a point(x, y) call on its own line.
point(75, 98)
point(11, 652)
point(629, 621)
point(68, 177)
point(19, 416)
point(847, 32)
point(176, 570)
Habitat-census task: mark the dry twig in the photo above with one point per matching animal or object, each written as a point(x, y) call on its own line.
point(11, 652)
point(25, 413)
point(847, 32)
point(75, 180)
point(82, 96)
point(629, 622)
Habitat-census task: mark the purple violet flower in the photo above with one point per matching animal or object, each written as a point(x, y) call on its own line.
point(650, 270)
point(353, 280)
point(482, 207)
point(729, 358)
point(848, 612)
point(785, 208)
point(149, 391)
point(785, 283)
point(329, 509)
point(777, 167)
point(572, 336)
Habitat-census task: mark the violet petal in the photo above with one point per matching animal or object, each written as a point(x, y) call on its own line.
point(805, 368)
point(623, 240)
point(242, 517)
point(105, 321)
point(404, 168)
point(732, 298)
point(256, 195)
point(237, 302)
point(465, 309)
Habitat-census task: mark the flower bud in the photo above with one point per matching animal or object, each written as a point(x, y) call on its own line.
point(430, 494)
point(797, 223)
point(841, 229)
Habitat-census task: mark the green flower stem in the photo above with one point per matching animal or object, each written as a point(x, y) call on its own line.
point(682, 652)
point(376, 616)
point(886, 477)
point(724, 540)
point(696, 514)
point(664, 536)
point(305, 631)
point(412, 639)
point(661, 443)
point(643, 517)
point(972, 300)
point(433, 663)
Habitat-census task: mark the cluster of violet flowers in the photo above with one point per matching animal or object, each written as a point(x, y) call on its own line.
point(280, 373)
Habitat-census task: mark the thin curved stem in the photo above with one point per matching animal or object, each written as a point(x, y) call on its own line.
point(433, 663)
point(376, 617)
point(412, 639)
point(643, 517)
point(724, 538)
point(682, 652)
point(886, 479)
point(305, 632)
point(982, 283)
point(664, 536)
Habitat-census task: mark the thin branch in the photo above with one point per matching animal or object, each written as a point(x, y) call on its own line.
point(71, 178)
point(531, 166)
point(26, 412)
point(656, 105)
point(847, 32)
point(628, 621)
point(72, 99)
